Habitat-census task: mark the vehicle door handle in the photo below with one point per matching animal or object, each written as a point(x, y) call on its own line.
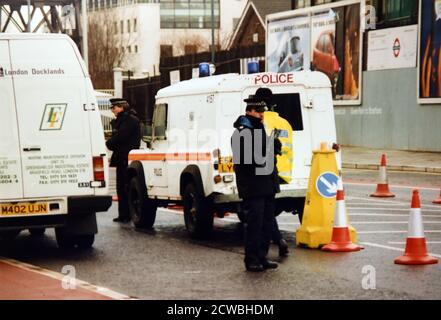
point(31, 149)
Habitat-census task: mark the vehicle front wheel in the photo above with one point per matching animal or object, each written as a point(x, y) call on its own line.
point(84, 241)
point(9, 235)
point(198, 215)
point(142, 210)
point(64, 240)
point(37, 232)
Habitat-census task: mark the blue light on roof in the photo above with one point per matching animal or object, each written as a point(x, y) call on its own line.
point(204, 69)
point(253, 67)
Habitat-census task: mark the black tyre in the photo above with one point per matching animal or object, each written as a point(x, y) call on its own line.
point(9, 235)
point(142, 210)
point(37, 232)
point(64, 240)
point(84, 241)
point(198, 215)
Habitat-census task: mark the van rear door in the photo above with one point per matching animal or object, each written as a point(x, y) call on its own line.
point(10, 166)
point(50, 93)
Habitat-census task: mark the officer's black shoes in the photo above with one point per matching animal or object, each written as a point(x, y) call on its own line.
point(122, 220)
point(268, 264)
point(254, 267)
point(283, 248)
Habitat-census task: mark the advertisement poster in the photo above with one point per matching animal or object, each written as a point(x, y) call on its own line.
point(323, 47)
point(350, 74)
point(430, 45)
point(327, 40)
point(289, 45)
point(394, 48)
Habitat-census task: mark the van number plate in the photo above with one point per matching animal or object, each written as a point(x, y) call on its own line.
point(23, 209)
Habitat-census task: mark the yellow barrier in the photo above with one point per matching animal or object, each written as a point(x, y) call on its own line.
point(319, 211)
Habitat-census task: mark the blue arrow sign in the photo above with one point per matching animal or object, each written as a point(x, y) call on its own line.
point(327, 184)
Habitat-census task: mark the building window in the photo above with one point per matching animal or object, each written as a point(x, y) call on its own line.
point(128, 26)
point(115, 27)
point(136, 49)
point(297, 4)
point(122, 27)
point(196, 14)
point(135, 25)
point(394, 13)
point(129, 49)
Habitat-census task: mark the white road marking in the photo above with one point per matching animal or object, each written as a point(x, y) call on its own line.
point(394, 231)
point(393, 186)
point(389, 215)
point(391, 222)
point(390, 209)
point(391, 248)
point(59, 276)
point(350, 203)
point(390, 201)
point(402, 242)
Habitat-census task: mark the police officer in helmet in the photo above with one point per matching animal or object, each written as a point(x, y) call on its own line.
point(126, 135)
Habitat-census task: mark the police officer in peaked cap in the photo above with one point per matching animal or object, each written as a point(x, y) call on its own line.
point(126, 135)
point(257, 181)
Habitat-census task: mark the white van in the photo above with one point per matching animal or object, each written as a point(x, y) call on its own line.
point(53, 160)
point(188, 157)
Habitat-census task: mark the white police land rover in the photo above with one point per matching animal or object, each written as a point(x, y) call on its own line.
point(188, 156)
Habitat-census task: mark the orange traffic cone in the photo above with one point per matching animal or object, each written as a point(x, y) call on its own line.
point(438, 201)
point(341, 239)
point(416, 251)
point(383, 185)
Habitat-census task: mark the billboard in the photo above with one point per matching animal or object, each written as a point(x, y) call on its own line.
point(289, 41)
point(329, 37)
point(393, 48)
point(429, 79)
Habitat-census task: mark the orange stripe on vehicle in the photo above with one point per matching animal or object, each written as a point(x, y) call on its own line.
point(171, 157)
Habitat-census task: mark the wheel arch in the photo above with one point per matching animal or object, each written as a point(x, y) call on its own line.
point(135, 169)
point(191, 173)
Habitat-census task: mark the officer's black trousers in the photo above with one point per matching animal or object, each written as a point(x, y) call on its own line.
point(259, 219)
point(121, 190)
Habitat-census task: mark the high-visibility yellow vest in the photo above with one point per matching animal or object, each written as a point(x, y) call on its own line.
point(272, 121)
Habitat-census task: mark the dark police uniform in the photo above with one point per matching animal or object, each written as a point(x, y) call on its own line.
point(257, 190)
point(126, 135)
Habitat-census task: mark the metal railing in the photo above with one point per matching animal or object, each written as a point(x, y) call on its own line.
point(103, 98)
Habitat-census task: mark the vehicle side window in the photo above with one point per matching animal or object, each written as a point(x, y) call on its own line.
point(160, 121)
point(288, 106)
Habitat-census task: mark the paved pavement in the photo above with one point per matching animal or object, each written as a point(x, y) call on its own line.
point(20, 281)
point(397, 160)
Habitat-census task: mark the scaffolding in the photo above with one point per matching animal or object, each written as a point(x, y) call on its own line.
point(53, 16)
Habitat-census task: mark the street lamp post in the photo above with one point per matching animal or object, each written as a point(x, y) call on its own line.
point(85, 30)
point(213, 54)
